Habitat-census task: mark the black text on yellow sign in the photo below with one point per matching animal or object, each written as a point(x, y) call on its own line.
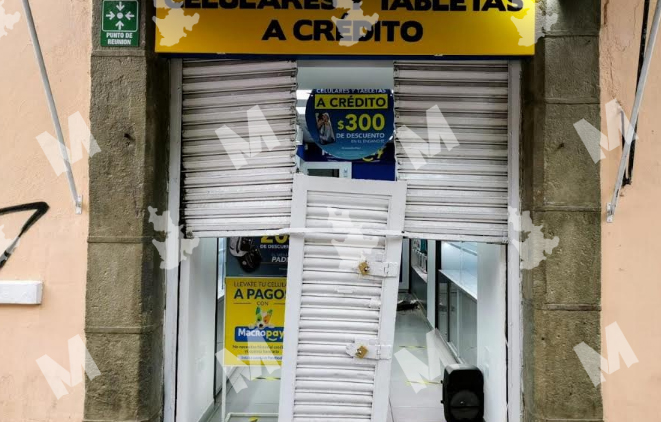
point(318, 27)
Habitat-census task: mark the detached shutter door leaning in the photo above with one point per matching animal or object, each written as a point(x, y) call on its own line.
point(334, 312)
point(238, 182)
point(459, 193)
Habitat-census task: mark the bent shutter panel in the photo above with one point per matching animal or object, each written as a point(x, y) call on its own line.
point(332, 308)
point(224, 194)
point(462, 193)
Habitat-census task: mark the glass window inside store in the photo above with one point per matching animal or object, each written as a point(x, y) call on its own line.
point(467, 290)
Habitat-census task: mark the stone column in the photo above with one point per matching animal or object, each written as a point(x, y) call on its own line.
point(125, 286)
point(560, 185)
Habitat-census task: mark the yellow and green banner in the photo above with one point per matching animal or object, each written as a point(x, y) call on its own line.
point(254, 320)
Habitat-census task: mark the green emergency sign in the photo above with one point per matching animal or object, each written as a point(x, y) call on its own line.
point(120, 24)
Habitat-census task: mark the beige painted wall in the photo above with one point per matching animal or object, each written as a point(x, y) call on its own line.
point(631, 250)
point(55, 249)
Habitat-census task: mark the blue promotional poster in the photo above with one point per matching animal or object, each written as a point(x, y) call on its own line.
point(351, 123)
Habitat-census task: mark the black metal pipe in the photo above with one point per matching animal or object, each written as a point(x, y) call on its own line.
point(628, 176)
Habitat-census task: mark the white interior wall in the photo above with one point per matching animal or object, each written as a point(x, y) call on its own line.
point(467, 341)
point(355, 74)
point(491, 324)
point(451, 257)
point(197, 320)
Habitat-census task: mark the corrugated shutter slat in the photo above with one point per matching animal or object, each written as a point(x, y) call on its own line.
point(462, 193)
point(222, 196)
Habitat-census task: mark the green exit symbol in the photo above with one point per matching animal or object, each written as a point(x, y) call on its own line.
point(120, 23)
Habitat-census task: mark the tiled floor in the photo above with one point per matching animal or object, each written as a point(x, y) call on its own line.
point(405, 404)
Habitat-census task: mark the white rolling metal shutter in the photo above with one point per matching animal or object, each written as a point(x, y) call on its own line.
point(221, 198)
point(462, 193)
point(332, 308)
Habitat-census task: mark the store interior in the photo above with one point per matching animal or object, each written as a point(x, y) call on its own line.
point(440, 322)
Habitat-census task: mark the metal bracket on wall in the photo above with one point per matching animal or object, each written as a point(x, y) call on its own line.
point(77, 199)
point(631, 131)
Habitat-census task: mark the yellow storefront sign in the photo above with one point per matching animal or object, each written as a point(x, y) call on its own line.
point(373, 27)
point(254, 320)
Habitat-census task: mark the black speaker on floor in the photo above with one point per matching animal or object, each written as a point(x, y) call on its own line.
point(463, 394)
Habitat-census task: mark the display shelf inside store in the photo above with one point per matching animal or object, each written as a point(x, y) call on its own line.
point(419, 270)
point(419, 258)
point(466, 281)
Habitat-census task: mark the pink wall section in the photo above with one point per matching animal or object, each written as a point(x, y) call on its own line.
point(55, 249)
point(631, 250)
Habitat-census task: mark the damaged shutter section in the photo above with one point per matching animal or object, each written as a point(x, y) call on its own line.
point(452, 148)
point(342, 285)
point(238, 146)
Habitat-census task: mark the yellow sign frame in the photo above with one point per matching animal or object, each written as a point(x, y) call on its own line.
point(493, 28)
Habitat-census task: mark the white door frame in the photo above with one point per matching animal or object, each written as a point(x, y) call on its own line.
point(514, 298)
point(172, 247)
point(514, 315)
